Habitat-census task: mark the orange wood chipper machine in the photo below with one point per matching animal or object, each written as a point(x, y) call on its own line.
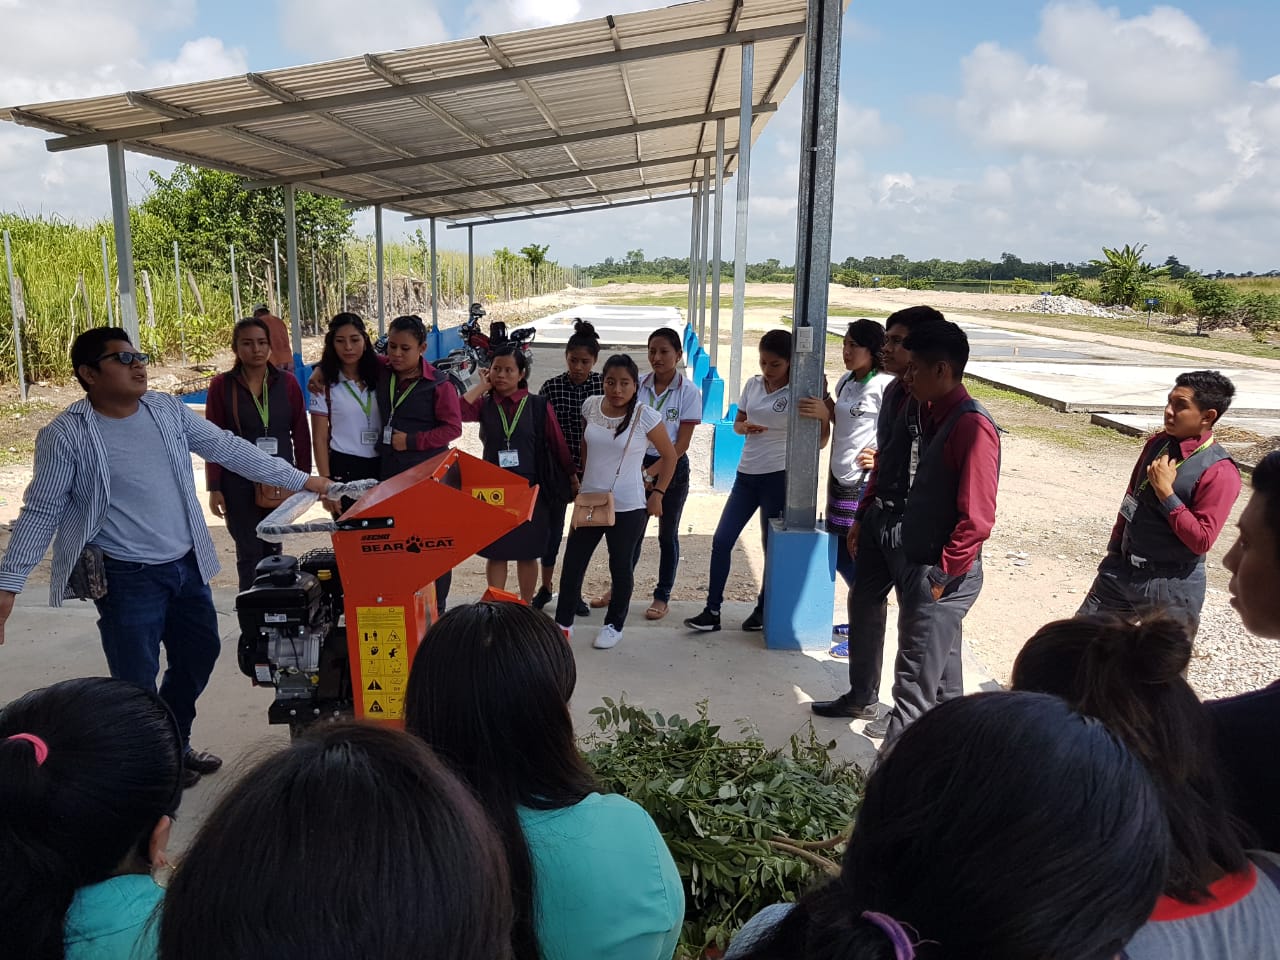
point(334, 631)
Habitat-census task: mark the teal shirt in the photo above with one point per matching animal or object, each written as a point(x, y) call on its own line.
point(605, 886)
point(112, 920)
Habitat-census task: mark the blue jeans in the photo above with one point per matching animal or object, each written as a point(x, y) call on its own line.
point(668, 528)
point(766, 492)
point(165, 603)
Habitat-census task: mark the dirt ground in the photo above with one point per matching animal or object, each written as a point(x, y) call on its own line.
point(1061, 483)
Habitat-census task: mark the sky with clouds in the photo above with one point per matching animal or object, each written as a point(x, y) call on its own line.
point(965, 130)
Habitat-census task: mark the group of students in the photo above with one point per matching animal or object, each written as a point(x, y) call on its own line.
point(1098, 810)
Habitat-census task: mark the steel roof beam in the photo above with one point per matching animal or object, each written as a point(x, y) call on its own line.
point(561, 213)
point(225, 118)
point(551, 177)
point(510, 146)
point(381, 70)
point(563, 198)
point(539, 104)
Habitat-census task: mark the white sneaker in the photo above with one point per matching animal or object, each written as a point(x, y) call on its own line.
point(607, 638)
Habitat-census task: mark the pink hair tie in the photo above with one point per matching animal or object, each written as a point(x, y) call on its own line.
point(903, 948)
point(39, 746)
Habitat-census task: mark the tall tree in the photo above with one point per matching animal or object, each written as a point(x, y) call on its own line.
point(535, 255)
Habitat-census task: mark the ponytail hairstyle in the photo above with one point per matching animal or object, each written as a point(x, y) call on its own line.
point(626, 363)
point(1130, 676)
point(584, 336)
point(410, 323)
point(519, 357)
point(989, 829)
point(367, 367)
point(248, 323)
point(87, 770)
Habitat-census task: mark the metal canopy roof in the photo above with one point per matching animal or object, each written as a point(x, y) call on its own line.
point(579, 116)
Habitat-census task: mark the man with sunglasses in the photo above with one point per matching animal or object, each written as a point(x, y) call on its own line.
point(114, 471)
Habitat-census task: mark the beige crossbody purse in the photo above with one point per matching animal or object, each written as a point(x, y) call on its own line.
point(596, 509)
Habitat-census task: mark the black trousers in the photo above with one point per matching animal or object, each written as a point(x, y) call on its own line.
point(556, 511)
point(880, 568)
point(928, 668)
point(243, 517)
point(1130, 592)
point(621, 538)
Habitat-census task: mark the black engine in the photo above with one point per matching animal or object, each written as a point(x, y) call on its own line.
point(293, 637)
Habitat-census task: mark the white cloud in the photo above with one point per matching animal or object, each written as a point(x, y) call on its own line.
point(328, 29)
point(59, 51)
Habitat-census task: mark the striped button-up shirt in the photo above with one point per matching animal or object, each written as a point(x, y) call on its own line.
point(66, 503)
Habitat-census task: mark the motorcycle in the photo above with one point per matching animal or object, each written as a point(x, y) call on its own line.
point(463, 365)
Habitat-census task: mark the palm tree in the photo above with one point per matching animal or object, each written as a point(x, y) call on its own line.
point(1125, 276)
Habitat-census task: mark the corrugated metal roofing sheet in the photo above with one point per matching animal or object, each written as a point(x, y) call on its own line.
point(521, 106)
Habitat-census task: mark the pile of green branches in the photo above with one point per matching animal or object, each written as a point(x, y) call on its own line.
point(747, 825)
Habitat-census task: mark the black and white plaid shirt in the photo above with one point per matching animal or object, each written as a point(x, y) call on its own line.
point(566, 399)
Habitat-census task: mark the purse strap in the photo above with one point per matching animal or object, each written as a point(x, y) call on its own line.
point(635, 422)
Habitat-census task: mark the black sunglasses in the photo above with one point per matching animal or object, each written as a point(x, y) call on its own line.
point(126, 357)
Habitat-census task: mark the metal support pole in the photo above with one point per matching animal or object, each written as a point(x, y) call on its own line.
point(377, 256)
point(435, 280)
point(740, 222)
point(471, 267)
point(716, 229)
point(124, 244)
point(291, 258)
point(19, 311)
point(345, 302)
point(704, 240)
point(177, 282)
point(235, 285)
point(691, 311)
point(813, 255)
point(106, 281)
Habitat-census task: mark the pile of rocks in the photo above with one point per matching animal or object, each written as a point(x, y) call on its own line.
point(1058, 306)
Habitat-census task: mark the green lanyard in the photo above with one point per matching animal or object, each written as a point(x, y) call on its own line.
point(1146, 480)
point(366, 405)
point(509, 428)
point(657, 401)
point(396, 401)
point(263, 405)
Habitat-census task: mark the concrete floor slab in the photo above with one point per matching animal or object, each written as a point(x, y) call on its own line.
point(617, 326)
point(1120, 388)
point(1143, 425)
point(661, 666)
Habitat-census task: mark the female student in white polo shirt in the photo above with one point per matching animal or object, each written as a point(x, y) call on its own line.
point(679, 402)
point(345, 419)
point(761, 483)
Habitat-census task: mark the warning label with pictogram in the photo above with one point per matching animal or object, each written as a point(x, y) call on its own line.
point(382, 664)
point(494, 496)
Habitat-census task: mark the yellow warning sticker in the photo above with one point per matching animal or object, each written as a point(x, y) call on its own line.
point(382, 632)
point(495, 496)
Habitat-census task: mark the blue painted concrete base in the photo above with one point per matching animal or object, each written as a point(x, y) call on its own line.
point(700, 363)
point(799, 589)
point(712, 397)
point(726, 451)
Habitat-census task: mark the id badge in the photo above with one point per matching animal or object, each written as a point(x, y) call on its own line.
point(268, 445)
point(1128, 506)
point(508, 459)
point(386, 435)
point(368, 437)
